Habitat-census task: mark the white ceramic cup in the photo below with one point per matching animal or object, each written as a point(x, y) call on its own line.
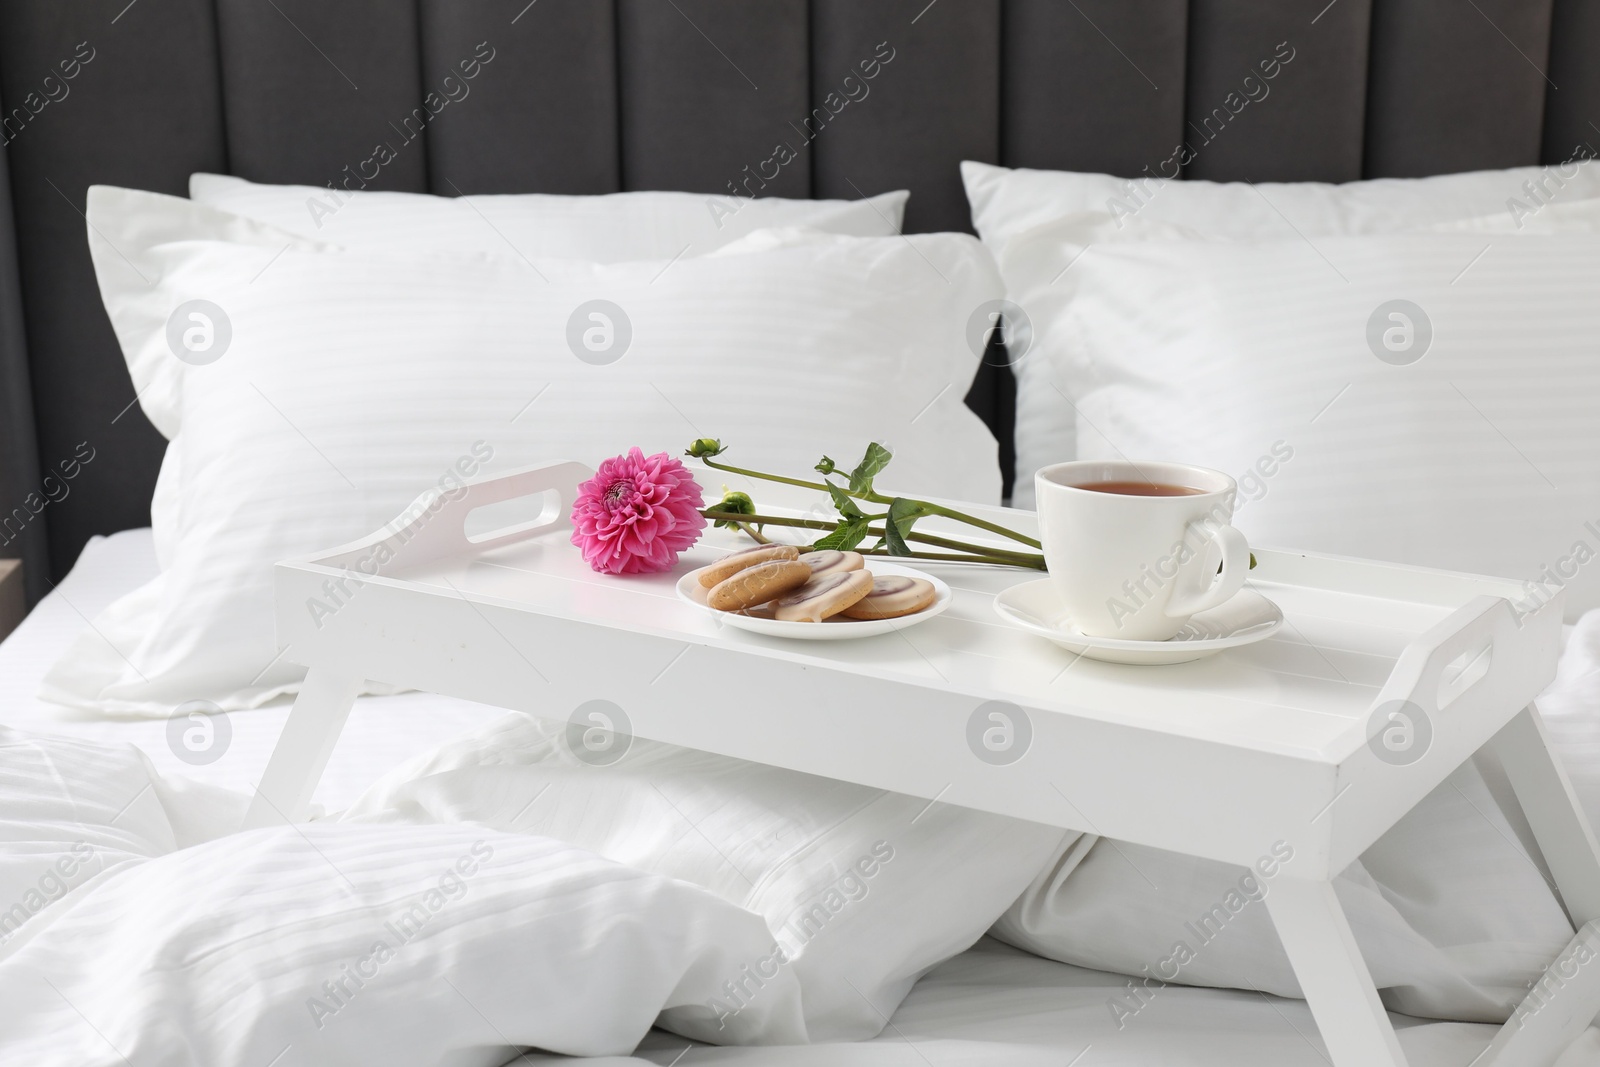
point(1138, 567)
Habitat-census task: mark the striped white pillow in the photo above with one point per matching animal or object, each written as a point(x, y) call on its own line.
point(1008, 202)
point(354, 381)
point(1427, 398)
point(608, 228)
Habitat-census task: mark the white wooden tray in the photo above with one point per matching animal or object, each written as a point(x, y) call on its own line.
point(1221, 758)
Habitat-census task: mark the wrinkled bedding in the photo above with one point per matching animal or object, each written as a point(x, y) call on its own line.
point(1453, 908)
point(403, 945)
point(435, 922)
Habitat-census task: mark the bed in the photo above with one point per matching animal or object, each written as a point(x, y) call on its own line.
point(593, 98)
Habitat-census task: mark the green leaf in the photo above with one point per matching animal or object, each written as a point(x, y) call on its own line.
point(845, 536)
point(871, 464)
point(825, 466)
point(902, 515)
point(841, 500)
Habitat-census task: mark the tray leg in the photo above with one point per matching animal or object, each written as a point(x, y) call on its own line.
point(297, 763)
point(1553, 812)
point(1563, 1001)
point(1337, 985)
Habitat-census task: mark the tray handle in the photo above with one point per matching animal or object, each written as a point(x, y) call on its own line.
point(1451, 657)
point(434, 525)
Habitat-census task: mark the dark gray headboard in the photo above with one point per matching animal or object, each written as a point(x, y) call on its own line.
point(592, 96)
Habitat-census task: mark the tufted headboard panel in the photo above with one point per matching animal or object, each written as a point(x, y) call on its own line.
point(594, 96)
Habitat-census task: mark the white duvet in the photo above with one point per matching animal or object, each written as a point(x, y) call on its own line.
point(474, 902)
point(494, 894)
point(342, 944)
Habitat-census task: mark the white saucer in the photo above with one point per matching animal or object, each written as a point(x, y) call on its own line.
point(1244, 619)
point(837, 628)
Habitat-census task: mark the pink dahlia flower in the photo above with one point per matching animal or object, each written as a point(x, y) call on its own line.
point(637, 514)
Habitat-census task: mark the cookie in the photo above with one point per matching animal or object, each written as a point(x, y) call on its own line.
point(824, 596)
point(734, 562)
point(832, 561)
point(758, 584)
point(892, 596)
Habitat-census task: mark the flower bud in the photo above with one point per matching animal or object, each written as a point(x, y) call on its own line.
point(733, 503)
point(704, 447)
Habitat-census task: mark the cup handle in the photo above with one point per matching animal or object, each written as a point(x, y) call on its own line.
point(1228, 581)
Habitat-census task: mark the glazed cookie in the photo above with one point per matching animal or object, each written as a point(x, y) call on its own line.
point(735, 562)
point(758, 584)
point(823, 596)
point(832, 561)
point(892, 596)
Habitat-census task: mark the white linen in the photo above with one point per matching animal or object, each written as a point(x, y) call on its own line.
point(606, 229)
point(1453, 916)
point(402, 945)
point(841, 874)
point(1571, 710)
point(1477, 451)
point(74, 812)
point(1453, 913)
point(526, 948)
point(1008, 202)
point(1577, 216)
point(863, 890)
point(381, 732)
point(992, 1004)
point(995, 1006)
point(156, 230)
point(343, 396)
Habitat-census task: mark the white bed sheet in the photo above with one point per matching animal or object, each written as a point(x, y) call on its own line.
point(990, 1005)
point(996, 1005)
point(381, 732)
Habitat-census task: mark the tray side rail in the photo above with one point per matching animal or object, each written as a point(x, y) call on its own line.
point(1450, 692)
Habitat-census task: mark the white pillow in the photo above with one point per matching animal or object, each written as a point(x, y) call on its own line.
point(407, 946)
point(607, 229)
point(1577, 216)
point(1006, 202)
point(1475, 449)
point(354, 381)
point(863, 890)
point(1451, 923)
point(419, 945)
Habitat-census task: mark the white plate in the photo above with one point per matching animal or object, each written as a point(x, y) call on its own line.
point(1247, 617)
point(837, 628)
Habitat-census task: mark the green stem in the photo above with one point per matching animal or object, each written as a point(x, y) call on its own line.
point(766, 520)
point(948, 558)
point(878, 498)
point(755, 535)
point(971, 553)
point(972, 520)
point(818, 486)
point(1025, 559)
